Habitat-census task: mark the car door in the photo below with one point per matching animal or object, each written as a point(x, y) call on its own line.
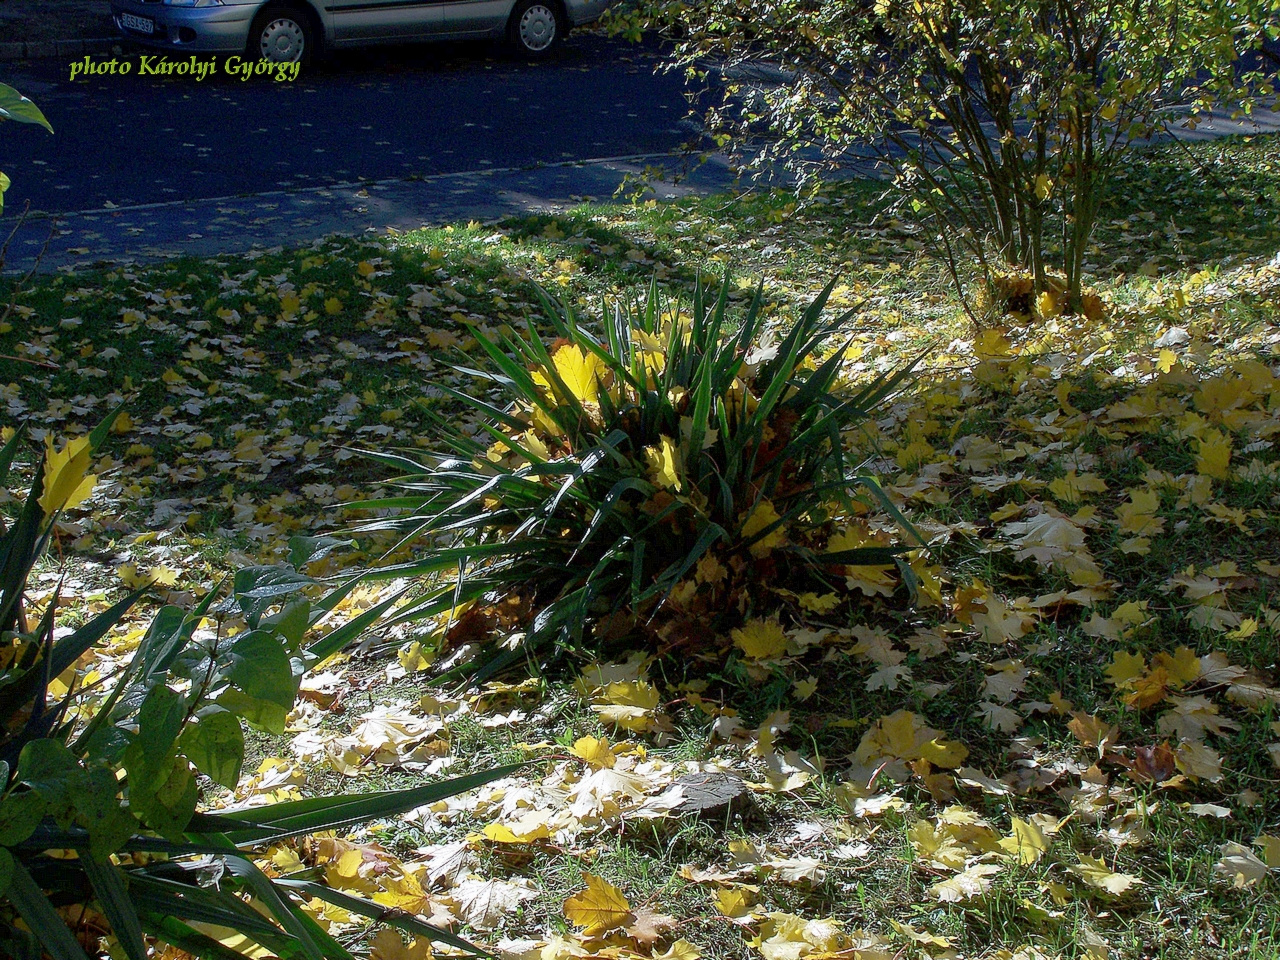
point(383, 20)
point(475, 16)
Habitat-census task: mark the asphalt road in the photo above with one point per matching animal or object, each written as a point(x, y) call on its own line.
point(379, 114)
point(146, 168)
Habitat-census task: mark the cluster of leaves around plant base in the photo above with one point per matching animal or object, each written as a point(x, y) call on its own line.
point(100, 789)
point(671, 465)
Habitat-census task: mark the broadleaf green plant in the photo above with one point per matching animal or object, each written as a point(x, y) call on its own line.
point(629, 468)
point(110, 772)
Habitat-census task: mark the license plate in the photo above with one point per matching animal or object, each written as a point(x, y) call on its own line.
point(140, 24)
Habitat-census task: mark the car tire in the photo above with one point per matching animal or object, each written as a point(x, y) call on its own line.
point(536, 28)
point(282, 34)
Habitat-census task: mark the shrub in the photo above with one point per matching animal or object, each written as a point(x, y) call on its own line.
point(100, 780)
point(1003, 121)
point(664, 467)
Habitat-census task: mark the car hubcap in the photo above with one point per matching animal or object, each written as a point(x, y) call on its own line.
point(538, 27)
point(283, 41)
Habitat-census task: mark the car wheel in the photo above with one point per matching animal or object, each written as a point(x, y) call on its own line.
point(282, 35)
point(536, 28)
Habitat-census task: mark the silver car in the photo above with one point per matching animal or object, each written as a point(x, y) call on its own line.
point(293, 31)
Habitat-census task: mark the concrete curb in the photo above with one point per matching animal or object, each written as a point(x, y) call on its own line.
point(69, 49)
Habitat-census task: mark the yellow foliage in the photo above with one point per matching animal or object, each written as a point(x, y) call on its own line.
point(67, 481)
point(663, 460)
point(762, 516)
point(599, 907)
point(905, 736)
point(760, 639)
point(593, 751)
point(579, 369)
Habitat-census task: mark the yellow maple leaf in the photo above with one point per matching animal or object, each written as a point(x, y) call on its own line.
point(760, 639)
point(734, 902)
point(903, 735)
point(416, 657)
point(1097, 874)
point(600, 906)
point(1183, 667)
point(1166, 360)
point(235, 941)
point(763, 516)
point(937, 846)
point(593, 751)
point(579, 369)
point(680, 950)
point(991, 345)
point(532, 826)
point(663, 460)
point(1149, 689)
point(365, 269)
point(1027, 842)
point(1213, 458)
point(1138, 515)
point(710, 570)
point(67, 481)
point(135, 579)
point(1125, 668)
point(970, 883)
point(628, 704)
point(387, 944)
point(1248, 627)
point(1221, 395)
point(813, 603)
point(1072, 487)
point(1270, 850)
point(1092, 731)
point(804, 689)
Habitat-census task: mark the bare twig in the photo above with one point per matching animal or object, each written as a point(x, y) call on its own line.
point(21, 283)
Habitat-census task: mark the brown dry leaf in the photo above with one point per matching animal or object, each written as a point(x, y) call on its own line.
point(1092, 731)
point(1154, 764)
point(649, 926)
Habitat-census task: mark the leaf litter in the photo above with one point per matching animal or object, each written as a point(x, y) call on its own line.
point(1084, 670)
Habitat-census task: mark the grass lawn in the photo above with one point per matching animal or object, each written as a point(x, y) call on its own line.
point(1067, 745)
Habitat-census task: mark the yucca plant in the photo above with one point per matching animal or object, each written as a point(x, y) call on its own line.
point(98, 780)
point(661, 465)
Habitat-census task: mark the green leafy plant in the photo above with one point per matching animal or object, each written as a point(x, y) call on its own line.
point(100, 792)
point(14, 106)
point(664, 467)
